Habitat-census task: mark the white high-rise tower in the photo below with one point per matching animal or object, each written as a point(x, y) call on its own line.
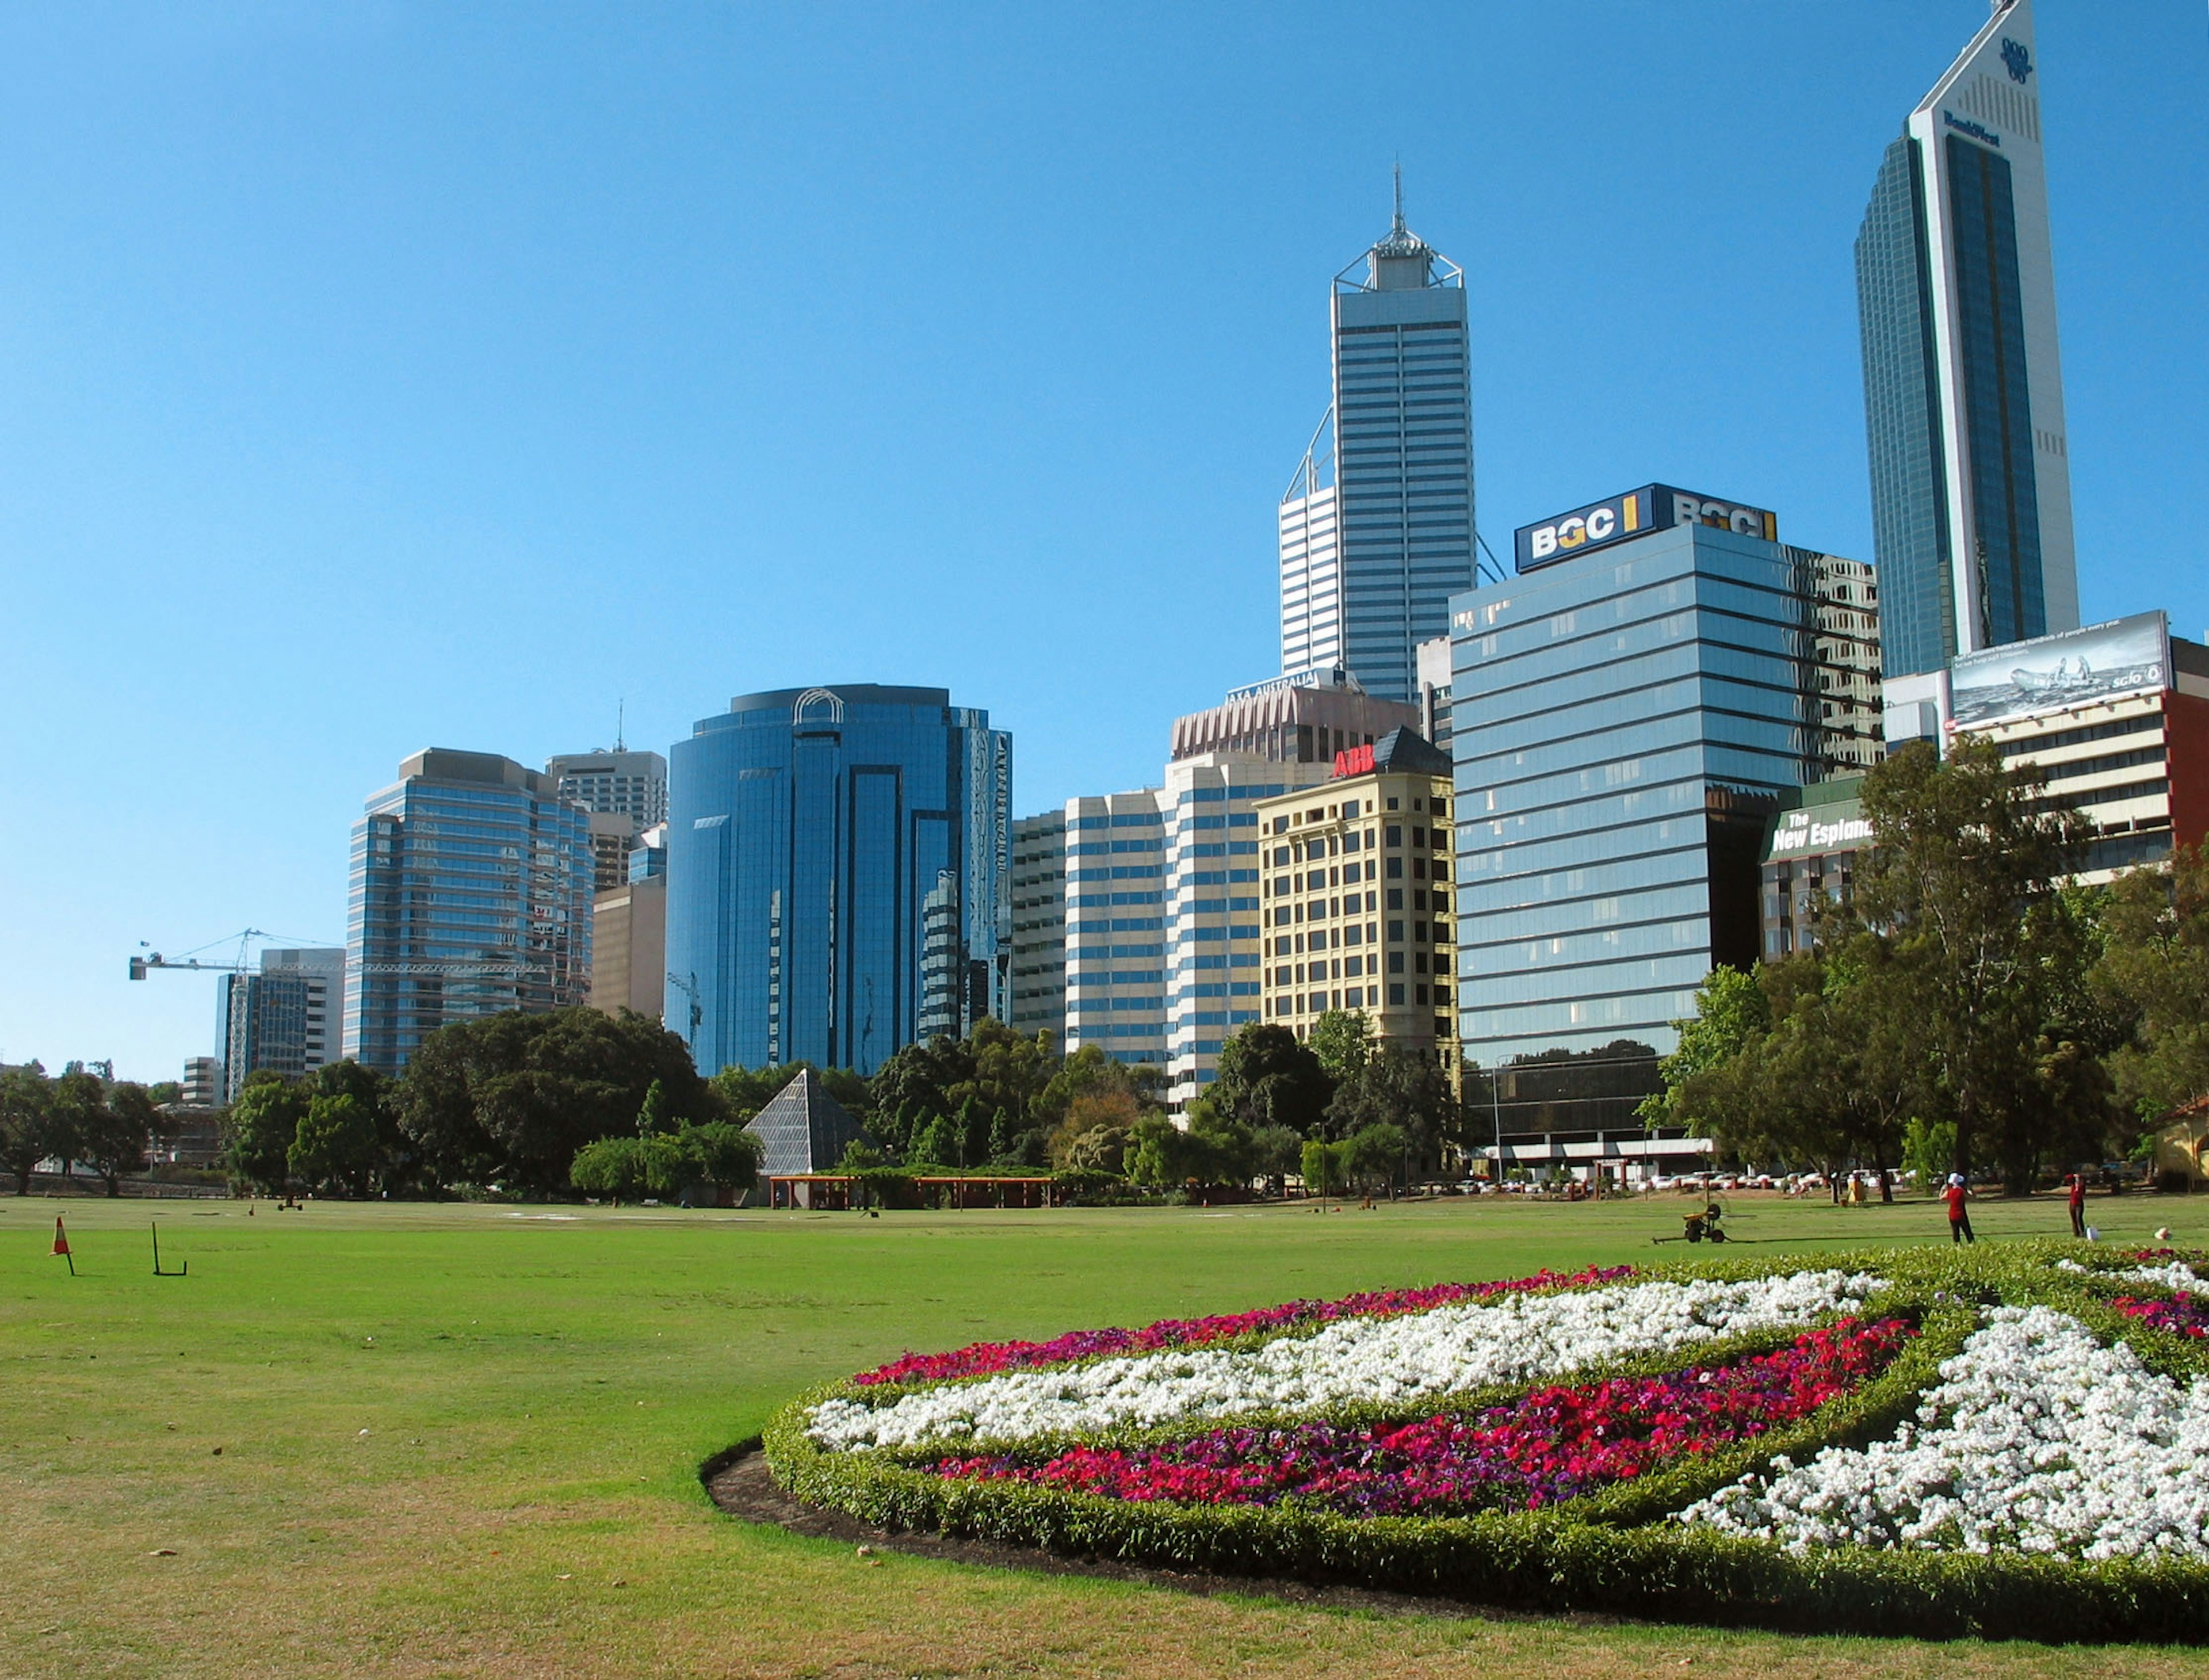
point(1971, 473)
point(1376, 529)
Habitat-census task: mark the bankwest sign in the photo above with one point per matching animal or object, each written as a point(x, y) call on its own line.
point(1652, 507)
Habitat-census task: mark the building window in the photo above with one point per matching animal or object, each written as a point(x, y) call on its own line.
point(1396, 967)
point(1395, 991)
point(1395, 898)
point(1395, 834)
point(1395, 868)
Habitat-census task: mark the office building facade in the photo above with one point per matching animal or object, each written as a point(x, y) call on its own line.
point(1376, 529)
point(620, 783)
point(815, 836)
point(1214, 954)
point(1963, 385)
point(1115, 925)
point(1355, 902)
point(470, 896)
point(1628, 712)
point(1303, 719)
point(1036, 995)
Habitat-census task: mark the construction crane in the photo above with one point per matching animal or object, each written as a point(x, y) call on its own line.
point(191, 962)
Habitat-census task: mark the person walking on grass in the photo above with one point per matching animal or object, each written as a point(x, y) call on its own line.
point(1960, 1222)
point(2078, 1181)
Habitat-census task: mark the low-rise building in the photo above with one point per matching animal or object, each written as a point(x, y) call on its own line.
point(1355, 900)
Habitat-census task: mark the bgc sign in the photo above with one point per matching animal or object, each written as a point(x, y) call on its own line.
point(1652, 508)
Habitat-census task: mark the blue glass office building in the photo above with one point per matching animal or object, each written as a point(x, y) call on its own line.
point(1626, 717)
point(816, 839)
point(471, 895)
point(1962, 386)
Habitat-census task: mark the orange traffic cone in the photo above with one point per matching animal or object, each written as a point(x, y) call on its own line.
point(61, 1245)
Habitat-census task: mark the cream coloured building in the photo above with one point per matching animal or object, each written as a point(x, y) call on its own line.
point(1356, 896)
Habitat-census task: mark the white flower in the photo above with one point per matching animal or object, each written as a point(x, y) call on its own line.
point(1446, 1350)
point(2038, 1439)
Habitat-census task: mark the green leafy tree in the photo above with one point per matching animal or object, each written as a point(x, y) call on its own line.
point(1375, 1154)
point(1267, 1078)
point(1342, 1039)
point(612, 1167)
point(1094, 1132)
point(397, 1165)
point(1930, 1152)
point(259, 1129)
point(74, 1113)
point(2152, 975)
point(937, 1145)
point(1275, 1153)
point(511, 1098)
point(1732, 1011)
point(1322, 1166)
point(28, 1134)
point(1400, 1087)
point(334, 1144)
point(721, 1155)
point(1962, 887)
point(652, 1119)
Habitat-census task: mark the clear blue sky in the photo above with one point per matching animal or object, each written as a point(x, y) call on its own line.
point(374, 376)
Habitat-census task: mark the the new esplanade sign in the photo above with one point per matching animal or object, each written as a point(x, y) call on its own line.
point(1652, 508)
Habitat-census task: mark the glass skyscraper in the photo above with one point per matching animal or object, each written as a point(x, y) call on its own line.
point(838, 872)
point(1626, 720)
point(1963, 388)
point(1376, 529)
point(471, 895)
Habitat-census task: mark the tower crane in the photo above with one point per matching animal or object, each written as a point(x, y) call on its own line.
point(191, 963)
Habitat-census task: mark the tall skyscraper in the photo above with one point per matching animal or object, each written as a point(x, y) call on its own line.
point(1971, 475)
point(838, 869)
point(1376, 529)
point(471, 895)
point(1115, 959)
point(620, 782)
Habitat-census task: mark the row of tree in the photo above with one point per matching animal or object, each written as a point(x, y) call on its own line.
point(1966, 1007)
point(78, 1118)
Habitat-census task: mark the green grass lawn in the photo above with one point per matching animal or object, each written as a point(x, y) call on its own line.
point(464, 1439)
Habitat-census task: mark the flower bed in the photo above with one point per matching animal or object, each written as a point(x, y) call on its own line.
point(1931, 1440)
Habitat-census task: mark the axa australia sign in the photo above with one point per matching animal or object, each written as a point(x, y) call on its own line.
point(1652, 508)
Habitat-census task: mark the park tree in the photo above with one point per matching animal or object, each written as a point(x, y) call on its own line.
point(260, 1127)
point(1398, 1085)
point(1322, 1167)
point(1962, 886)
point(1342, 1039)
point(1376, 1154)
point(78, 1114)
point(118, 1130)
point(2153, 977)
point(335, 1145)
point(28, 1134)
point(1089, 1072)
point(396, 1160)
point(510, 1099)
point(1095, 1130)
point(1266, 1077)
point(1732, 1011)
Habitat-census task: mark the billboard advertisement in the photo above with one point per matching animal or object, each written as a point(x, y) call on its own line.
point(2123, 656)
point(1618, 517)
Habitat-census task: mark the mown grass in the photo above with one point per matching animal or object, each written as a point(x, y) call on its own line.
point(464, 1439)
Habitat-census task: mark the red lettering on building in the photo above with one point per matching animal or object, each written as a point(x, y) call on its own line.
point(1356, 762)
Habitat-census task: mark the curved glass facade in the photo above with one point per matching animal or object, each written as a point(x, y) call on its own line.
point(838, 869)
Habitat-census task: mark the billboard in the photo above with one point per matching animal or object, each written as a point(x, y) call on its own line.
point(1618, 517)
point(2123, 656)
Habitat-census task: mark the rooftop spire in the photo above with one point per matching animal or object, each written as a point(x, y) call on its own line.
point(1396, 227)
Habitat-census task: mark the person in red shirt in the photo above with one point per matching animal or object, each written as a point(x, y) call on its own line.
point(1960, 1222)
point(2078, 1205)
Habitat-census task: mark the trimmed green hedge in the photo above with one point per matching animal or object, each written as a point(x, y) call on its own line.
point(1615, 1550)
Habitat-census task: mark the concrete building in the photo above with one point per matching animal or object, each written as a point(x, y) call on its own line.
point(470, 896)
point(2114, 719)
point(1963, 385)
point(1628, 712)
point(1305, 718)
point(1214, 949)
point(1355, 910)
point(202, 1082)
point(620, 783)
point(1037, 998)
point(808, 830)
point(629, 948)
point(1114, 912)
point(1818, 833)
point(1376, 528)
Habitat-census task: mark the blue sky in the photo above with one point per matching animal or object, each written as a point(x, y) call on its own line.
point(374, 376)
